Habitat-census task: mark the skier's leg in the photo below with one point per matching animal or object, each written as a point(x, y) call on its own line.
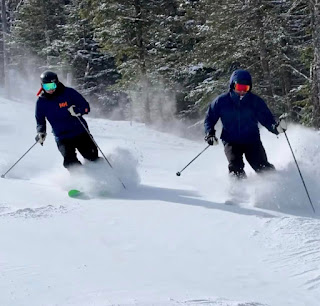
point(234, 154)
point(87, 147)
point(257, 157)
point(68, 151)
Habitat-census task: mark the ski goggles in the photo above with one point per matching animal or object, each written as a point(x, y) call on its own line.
point(49, 86)
point(241, 87)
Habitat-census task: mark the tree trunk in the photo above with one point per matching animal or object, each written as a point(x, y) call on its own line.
point(315, 93)
point(4, 71)
point(285, 75)
point(264, 54)
point(46, 32)
point(142, 59)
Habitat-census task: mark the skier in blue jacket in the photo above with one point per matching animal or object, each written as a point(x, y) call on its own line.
point(63, 107)
point(240, 112)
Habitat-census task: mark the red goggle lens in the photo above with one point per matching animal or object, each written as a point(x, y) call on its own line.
point(242, 87)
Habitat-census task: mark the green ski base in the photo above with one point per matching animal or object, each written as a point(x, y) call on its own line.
point(74, 193)
point(77, 194)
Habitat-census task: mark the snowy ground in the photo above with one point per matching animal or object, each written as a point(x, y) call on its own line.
point(166, 240)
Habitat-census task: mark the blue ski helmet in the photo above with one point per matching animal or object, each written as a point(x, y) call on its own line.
point(242, 77)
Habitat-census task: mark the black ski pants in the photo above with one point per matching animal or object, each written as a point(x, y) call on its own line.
point(83, 143)
point(255, 155)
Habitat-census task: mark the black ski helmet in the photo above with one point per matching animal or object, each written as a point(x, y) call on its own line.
point(49, 77)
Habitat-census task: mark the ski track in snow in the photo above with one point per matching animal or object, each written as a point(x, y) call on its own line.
point(39, 212)
point(195, 302)
point(217, 302)
point(294, 246)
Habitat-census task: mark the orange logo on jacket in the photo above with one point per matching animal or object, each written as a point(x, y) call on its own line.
point(63, 104)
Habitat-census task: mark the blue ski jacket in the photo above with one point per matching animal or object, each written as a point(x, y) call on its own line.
point(239, 117)
point(54, 108)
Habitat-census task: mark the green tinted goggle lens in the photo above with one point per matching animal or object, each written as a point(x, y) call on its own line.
point(49, 86)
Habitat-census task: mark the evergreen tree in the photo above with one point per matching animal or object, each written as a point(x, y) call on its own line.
point(38, 27)
point(35, 40)
point(173, 56)
point(150, 40)
point(252, 35)
point(315, 68)
point(93, 71)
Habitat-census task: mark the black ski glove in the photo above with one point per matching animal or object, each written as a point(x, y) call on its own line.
point(212, 140)
point(41, 137)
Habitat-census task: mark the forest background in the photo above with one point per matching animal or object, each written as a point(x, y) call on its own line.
point(162, 61)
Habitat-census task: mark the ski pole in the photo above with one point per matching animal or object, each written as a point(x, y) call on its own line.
point(100, 151)
point(3, 175)
point(305, 187)
point(179, 172)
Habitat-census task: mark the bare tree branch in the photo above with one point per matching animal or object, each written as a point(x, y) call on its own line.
point(297, 71)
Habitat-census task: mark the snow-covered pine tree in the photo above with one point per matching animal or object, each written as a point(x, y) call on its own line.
point(189, 47)
point(152, 42)
point(315, 68)
point(121, 26)
point(38, 27)
point(35, 40)
point(251, 34)
point(93, 71)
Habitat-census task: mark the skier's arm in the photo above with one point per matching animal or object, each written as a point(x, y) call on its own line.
point(265, 116)
point(81, 104)
point(40, 118)
point(212, 117)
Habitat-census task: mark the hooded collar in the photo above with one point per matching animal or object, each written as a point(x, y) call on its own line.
point(241, 75)
point(236, 98)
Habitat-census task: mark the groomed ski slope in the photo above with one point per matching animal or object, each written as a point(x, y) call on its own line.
point(164, 241)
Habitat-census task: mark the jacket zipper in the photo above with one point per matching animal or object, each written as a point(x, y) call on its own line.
point(239, 119)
